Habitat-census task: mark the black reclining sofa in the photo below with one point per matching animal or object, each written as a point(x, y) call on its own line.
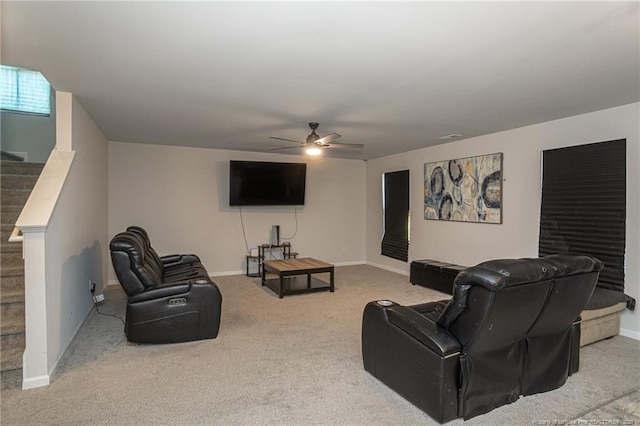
point(170, 298)
point(511, 329)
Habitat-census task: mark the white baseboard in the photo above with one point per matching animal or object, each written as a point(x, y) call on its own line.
point(35, 382)
point(635, 335)
point(225, 273)
point(240, 272)
point(45, 379)
point(211, 275)
point(352, 263)
point(388, 268)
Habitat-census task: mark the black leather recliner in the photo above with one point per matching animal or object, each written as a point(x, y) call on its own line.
point(509, 330)
point(174, 266)
point(170, 299)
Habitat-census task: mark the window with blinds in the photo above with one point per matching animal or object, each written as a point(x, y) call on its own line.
point(395, 206)
point(24, 91)
point(584, 205)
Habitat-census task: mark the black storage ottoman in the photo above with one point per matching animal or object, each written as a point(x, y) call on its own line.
point(434, 274)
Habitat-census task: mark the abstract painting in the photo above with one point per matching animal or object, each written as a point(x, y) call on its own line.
point(465, 190)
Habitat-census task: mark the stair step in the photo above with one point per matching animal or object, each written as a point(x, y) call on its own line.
point(20, 168)
point(12, 349)
point(10, 214)
point(5, 232)
point(10, 156)
point(12, 318)
point(6, 247)
point(15, 271)
point(12, 296)
point(14, 197)
point(18, 181)
point(11, 379)
point(12, 283)
point(11, 260)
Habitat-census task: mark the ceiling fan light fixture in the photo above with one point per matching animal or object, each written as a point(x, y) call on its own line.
point(313, 151)
point(315, 144)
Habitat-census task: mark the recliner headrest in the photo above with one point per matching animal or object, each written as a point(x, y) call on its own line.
point(136, 249)
point(140, 231)
point(496, 274)
point(567, 264)
point(129, 242)
point(132, 244)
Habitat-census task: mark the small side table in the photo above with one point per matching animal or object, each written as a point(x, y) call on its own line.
point(283, 249)
point(258, 262)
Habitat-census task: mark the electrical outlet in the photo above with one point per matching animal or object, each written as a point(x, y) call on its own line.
point(99, 298)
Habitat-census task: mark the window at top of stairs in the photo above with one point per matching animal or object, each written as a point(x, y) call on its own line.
point(24, 91)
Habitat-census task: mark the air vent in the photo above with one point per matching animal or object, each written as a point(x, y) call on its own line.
point(451, 136)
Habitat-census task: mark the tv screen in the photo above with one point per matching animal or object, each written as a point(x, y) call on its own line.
point(261, 183)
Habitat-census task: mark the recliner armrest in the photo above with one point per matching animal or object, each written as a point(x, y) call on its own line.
point(198, 288)
point(424, 330)
point(413, 356)
point(179, 259)
point(167, 290)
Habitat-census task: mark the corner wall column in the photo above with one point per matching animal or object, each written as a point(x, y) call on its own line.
point(35, 371)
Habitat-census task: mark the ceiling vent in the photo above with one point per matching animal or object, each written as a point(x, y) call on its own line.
point(451, 136)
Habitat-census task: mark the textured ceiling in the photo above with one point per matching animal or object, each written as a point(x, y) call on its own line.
point(393, 76)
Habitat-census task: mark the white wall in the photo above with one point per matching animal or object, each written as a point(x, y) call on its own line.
point(517, 236)
point(33, 134)
point(76, 238)
point(180, 195)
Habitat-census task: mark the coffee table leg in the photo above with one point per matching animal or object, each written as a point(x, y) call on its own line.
point(263, 274)
point(308, 280)
point(281, 294)
point(331, 289)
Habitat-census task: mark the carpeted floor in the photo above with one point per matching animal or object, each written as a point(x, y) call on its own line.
point(291, 361)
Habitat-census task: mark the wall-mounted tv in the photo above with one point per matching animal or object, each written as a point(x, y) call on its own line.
point(261, 183)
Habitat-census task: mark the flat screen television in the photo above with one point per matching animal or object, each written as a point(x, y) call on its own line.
point(262, 183)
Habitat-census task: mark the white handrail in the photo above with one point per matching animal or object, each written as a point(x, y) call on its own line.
point(16, 235)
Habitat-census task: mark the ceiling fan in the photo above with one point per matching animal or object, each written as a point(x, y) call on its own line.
point(315, 143)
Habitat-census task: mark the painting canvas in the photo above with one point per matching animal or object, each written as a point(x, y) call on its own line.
point(466, 189)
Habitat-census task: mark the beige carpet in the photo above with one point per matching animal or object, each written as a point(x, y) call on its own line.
point(291, 361)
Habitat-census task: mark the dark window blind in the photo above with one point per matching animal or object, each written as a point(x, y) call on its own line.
point(395, 204)
point(584, 205)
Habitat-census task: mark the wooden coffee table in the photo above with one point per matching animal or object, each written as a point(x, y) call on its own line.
point(289, 273)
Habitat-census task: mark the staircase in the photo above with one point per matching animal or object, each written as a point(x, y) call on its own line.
point(17, 179)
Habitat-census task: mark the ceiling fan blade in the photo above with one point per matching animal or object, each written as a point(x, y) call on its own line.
point(286, 147)
point(345, 145)
point(326, 139)
point(286, 140)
